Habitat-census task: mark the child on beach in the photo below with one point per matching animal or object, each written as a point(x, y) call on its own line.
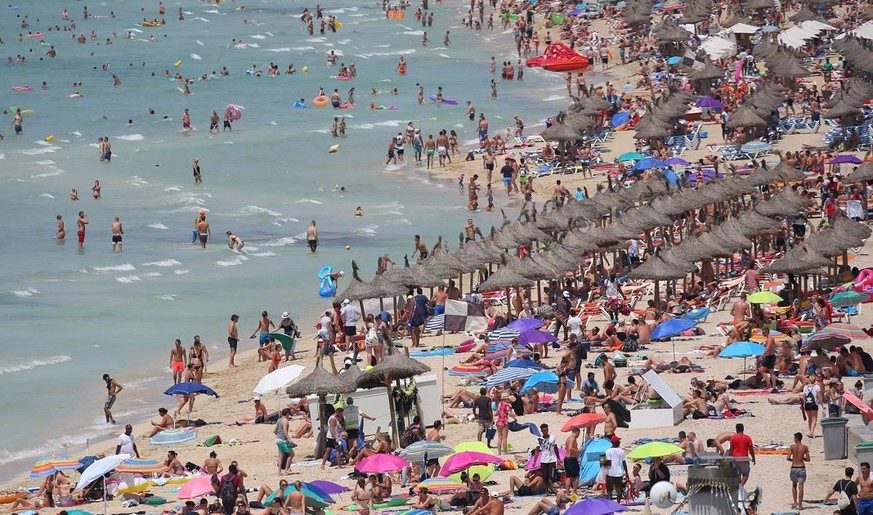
point(489, 194)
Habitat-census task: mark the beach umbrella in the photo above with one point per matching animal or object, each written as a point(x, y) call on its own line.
point(98, 469)
point(507, 375)
point(310, 492)
point(322, 383)
point(649, 163)
point(845, 158)
point(440, 485)
point(536, 336)
point(620, 118)
point(655, 268)
point(545, 381)
point(629, 156)
point(672, 327)
point(654, 450)
point(850, 330)
point(677, 161)
point(524, 324)
point(764, 297)
point(745, 117)
point(504, 333)
point(418, 450)
point(846, 299)
point(200, 486)
point(328, 486)
point(140, 466)
point(709, 101)
point(381, 464)
point(742, 350)
point(864, 173)
point(278, 379)
point(173, 437)
point(523, 363)
point(583, 420)
point(595, 506)
point(826, 341)
point(51, 464)
point(466, 459)
point(189, 388)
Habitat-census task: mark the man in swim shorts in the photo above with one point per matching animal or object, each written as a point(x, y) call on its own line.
point(429, 149)
point(507, 171)
point(81, 223)
point(203, 231)
point(264, 326)
point(113, 388)
point(117, 231)
point(177, 361)
point(232, 338)
point(17, 120)
point(312, 237)
point(107, 150)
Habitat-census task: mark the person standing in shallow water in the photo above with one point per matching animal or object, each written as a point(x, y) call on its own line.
point(113, 388)
point(312, 237)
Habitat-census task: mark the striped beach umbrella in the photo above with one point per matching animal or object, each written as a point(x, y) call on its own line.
point(51, 464)
point(433, 450)
point(826, 341)
point(758, 337)
point(852, 331)
point(503, 333)
point(138, 466)
point(507, 375)
point(173, 437)
point(440, 485)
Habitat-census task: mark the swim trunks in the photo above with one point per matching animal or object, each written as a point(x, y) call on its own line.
point(107, 156)
point(81, 235)
point(203, 237)
point(571, 466)
point(178, 366)
point(439, 310)
point(507, 180)
point(429, 152)
point(227, 124)
point(232, 342)
point(441, 151)
point(264, 338)
point(116, 238)
point(313, 244)
point(18, 129)
point(109, 402)
point(798, 475)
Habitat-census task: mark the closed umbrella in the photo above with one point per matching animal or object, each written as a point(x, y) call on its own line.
point(278, 379)
point(418, 450)
point(381, 464)
point(507, 375)
point(466, 459)
point(672, 327)
point(764, 297)
point(200, 486)
point(583, 420)
point(654, 450)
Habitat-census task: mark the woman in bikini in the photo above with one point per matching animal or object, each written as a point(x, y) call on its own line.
point(195, 358)
point(362, 497)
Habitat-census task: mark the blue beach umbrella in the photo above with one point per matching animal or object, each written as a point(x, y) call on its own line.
point(523, 363)
point(846, 299)
point(629, 156)
point(742, 350)
point(545, 381)
point(504, 333)
point(173, 437)
point(648, 163)
point(507, 375)
point(418, 450)
point(672, 60)
point(672, 327)
point(671, 177)
point(620, 118)
point(188, 388)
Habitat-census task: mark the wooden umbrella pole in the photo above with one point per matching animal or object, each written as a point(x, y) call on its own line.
point(393, 413)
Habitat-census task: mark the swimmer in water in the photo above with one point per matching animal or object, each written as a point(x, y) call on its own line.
point(358, 212)
point(234, 242)
point(74, 195)
point(62, 233)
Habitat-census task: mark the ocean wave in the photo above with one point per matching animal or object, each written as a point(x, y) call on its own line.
point(168, 296)
point(173, 188)
point(158, 226)
point(554, 98)
point(368, 55)
point(257, 210)
point(308, 201)
point(130, 137)
point(165, 262)
point(197, 41)
point(258, 36)
point(280, 242)
point(127, 279)
point(201, 19)
point(263, 254)
point(232, 262)
point(27, 292)
point(2, 155)
point(287, 219)
point(153, 274)
point(51, 446)
point(137, 181)
point(398, 221)
point(181, 272)
point(127, 267)
point(389, 123)
point(11, 368)
point(411, 32)
point(46, 195)
point(369, 230)
point(39, 151)
point(196, 57)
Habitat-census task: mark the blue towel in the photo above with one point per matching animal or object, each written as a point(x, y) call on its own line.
point(515, 426)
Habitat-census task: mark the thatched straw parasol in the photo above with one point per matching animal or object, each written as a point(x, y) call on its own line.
point(708, 72)
point(864, 173)
point(656, 269)
point(504, 279)
point(846, 227)
point(321, 383)
point(795, 262)
point(745, 117)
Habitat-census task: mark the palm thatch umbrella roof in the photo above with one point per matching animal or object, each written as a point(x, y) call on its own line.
point(404, 275)
point(745, 117)
point(729, 231)
point(561, 130)
point(785, 65)
point(657, 269)
point(357, 288)
point(864, 173)
point(846, 227)
point(431, 274)
point(382, 286)
point(448, 260)
point(844, 108)
point(708, 72)
point(319, 382)
point(578, 240)
point(765, 49)
point(351, 374)
point(651, 129)
point(795, 262)
point(534, 269)
point(504, 278)
point(831, 243)
point(392, 367)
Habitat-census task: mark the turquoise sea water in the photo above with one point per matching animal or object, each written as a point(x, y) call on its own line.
point(68, 317)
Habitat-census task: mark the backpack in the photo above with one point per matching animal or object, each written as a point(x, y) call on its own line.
point(227, 493)
point(809, 403)
point(843, 502)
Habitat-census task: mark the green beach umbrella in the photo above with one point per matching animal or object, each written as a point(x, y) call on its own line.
point(629, 156)
point(764, 297)
point(654, 450)
point(848, 298)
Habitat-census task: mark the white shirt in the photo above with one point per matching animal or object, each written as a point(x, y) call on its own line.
point(548, 446)
point(350, 314)
point(815, 389)
point(125, 443)
point(574, 323)
point(325, 326)
point(616, 457)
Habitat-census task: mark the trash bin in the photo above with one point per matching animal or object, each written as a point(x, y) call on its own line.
point(836, 438)
point(864, 452)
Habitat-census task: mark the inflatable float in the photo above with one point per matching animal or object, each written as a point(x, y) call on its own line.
point(38, 35)
point(320, 101)
point(11, 496)
point(333, 149)
point(327, 288)
point(152, 23)
point(50, 138)
point(177, 64)
point(324, 272)
point(346, 105)
point(340, 77)
point(337, 25)
point(395, 14)
point(22, 88)
point(449, 101)
point(14, 109)
point(299, 104)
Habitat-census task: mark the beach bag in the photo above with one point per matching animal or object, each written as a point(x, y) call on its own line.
point(490, 433)
point(809, 403)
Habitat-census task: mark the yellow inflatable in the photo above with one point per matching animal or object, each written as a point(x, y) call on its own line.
point(177, 64)
point(50, 138)
point(337, 25)
point(305, 69)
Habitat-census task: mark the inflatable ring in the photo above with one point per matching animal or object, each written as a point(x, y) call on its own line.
point(320, 101)
point(327, 289)
point(22, 88)
point(324, 272)
point(299, 104)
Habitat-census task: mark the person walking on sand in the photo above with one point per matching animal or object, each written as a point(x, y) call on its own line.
point(117, 231)
point(80, 224)
point(742, 449)
point(798, 455)
point(204, 232)
point(865, 490)
point(177, 361)
point(232, 338)
point(312, 237)
point(113, 388)
point(812, 399)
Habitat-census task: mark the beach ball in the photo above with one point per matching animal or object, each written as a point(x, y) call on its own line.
point(663, 494)
point(348, 247)
point(305, 69)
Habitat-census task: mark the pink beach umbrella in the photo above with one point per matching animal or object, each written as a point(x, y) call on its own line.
point(198, 487)
point(381, 464)
point(464, 460)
